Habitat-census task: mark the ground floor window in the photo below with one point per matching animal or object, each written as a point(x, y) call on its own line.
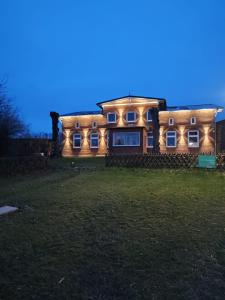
point(126, 139)
point(193, 138)
point(77, 140)
point(171, 139)
point(150, 139)
point(94, 140)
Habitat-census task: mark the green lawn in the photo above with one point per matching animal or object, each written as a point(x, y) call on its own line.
point(113, 234)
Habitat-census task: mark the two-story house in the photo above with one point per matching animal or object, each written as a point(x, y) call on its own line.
point(136, 124)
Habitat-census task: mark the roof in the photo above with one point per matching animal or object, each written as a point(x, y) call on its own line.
point(82, 113)
point(130, 96)
point(194, 107)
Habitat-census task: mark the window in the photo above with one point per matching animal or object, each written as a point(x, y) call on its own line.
point(94, 140)
point(131, 116)
point(77, 125)
point(94, 124)
point(126, 139)
point(193, 121)
point(149, 116)
point(150, 139)
point(193, 138)
point(171, 139)
point(111, 117)
point(171, 121)
point(77, 140)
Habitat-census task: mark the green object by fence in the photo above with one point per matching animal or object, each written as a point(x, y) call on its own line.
point(207, 161)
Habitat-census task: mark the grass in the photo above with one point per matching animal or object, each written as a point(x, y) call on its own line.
point(113, 234)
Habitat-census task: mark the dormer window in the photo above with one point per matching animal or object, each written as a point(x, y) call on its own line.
point(193, 120)
point(149, 116)
point(94, 124)
point(111, 117)
point(171, 121)
point(131, 116)
point(77, 125)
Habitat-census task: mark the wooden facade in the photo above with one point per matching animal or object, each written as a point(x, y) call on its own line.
point(87, 126)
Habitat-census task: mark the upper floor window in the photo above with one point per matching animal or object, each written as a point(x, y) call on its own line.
point(150, 139)
point(77, 125)
point(171, 139)
point(193, 138)
point(94, 124)
point(131, 116)
point(193, 120)
point(94, 140)
point(111, 117)
point(77, 140)
point(149, 116)
point(171, 121)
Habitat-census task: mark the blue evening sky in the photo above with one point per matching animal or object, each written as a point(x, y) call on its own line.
point(66, 55)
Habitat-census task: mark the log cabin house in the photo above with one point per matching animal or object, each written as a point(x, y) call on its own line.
point(136, 124)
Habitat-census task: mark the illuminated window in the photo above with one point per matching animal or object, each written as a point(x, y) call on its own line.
point(149, 116)
point(171, 139)
point(111, 117)
point(94, 140)
point(193, 138)
point(150, 139)
point(94, 124)
point(193, 121)
point(171, 121)
point(130, 139)
point(77, 125)
point(131, 116)
point(77, 140)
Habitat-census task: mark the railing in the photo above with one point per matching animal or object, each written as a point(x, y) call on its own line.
point(159, 160)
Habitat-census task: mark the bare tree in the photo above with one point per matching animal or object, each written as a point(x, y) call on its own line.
point(11, 125)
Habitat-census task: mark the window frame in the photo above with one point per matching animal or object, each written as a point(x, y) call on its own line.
point(77, 123)
point(115, 115)
point(92, 124)
point(195, 121)
point(195, 146)
point(96, 138)
point(126, 145)
point(135, 116)
point(74, 138)
point(175, 137)
point(149, 112)
point(171, 123)
point(147, 139)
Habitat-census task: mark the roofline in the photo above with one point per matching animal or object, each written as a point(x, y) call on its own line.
point(80, 113)
point(130, 96)
point(217, 107)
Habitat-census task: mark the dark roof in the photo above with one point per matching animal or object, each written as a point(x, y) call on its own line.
point(193, 107)
point(130, 96)
point(82, 113)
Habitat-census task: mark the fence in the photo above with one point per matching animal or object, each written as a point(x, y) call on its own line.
point(159, 160)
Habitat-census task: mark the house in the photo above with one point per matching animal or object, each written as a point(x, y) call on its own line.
point(136, 124)
point(220, 136)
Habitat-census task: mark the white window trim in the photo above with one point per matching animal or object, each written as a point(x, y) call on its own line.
point(172, 123)
point(135, 115)
point(77, 123)
point(138, 145)
point(97, 138)
point(193, 123)
point(170, 131)
point(111, 113)
point(149, 120)
point(147, 146)
point(76, 147)
point(94, 122)
point(197, 146)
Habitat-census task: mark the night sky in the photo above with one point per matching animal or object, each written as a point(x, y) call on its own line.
point(67, 55)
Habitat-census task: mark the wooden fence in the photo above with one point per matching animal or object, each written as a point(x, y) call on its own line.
point(159, 160)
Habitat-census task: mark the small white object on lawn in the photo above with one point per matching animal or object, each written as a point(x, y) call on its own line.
point(7, 209)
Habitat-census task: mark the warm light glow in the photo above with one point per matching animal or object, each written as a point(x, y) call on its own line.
point(130, 103)
point(141, 119)
point(120, 120)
